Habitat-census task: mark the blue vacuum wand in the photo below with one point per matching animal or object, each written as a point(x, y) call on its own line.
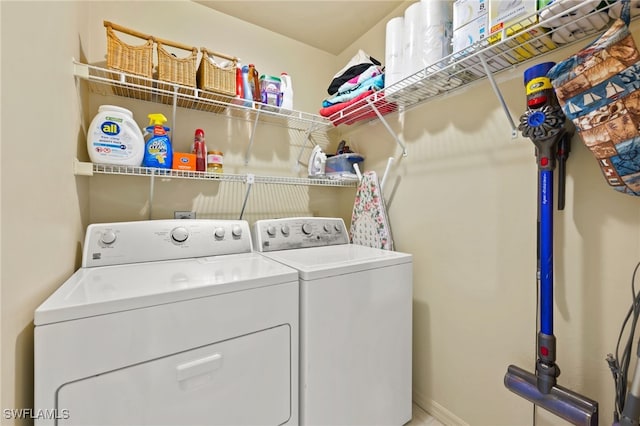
point(544, 124)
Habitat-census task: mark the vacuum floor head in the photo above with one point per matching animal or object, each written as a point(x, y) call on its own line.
point(564, 403)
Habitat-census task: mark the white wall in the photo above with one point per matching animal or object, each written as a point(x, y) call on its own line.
point(463, 202)
point(44, 207)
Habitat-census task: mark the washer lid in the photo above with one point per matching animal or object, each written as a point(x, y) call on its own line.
point(108, 289)
point(321, 262)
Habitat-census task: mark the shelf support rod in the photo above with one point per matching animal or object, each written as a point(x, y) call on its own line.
point(253, 135)
point(389, 129)
point(307, 138)
point(496, 90)
point(173, 111)
point(250, 181)
point(151, 189)
point(386, 173)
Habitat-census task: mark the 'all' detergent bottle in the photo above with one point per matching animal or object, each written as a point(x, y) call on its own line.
point(158, 152)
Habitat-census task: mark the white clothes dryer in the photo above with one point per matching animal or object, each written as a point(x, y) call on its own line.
point(169, 322)
point(355, 322)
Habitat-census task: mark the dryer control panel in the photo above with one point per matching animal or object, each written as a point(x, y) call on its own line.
point(153, 240)
point(298, 232)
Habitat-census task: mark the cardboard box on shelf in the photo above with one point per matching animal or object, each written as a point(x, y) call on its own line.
point(184, 161)
point(465, 11)
point(530, 43)
point(511, 16)
point(471, 33)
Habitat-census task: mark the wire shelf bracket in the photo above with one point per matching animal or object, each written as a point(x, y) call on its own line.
point(386, 126)
point(498, 93)
point(252, 138)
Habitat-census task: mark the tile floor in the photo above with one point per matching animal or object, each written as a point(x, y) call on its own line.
point(422, 418)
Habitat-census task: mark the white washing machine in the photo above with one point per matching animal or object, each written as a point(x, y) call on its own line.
point(169, 322)
point(355, 322)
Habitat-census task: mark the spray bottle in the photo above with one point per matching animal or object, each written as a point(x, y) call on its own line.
point(157, 152)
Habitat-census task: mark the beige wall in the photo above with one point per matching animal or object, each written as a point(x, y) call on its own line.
point(462, 202)
point(44, 207)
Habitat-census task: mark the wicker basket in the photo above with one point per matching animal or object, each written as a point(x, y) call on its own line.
point(135, 60)
point(174, 70)
point(214, 80)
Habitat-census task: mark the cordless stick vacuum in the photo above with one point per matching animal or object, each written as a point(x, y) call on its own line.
point(544, 124)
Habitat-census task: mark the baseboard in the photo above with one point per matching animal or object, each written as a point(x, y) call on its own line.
point(443, 415)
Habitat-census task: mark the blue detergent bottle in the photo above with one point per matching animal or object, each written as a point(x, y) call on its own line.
point(246, 88)
point(158, 152)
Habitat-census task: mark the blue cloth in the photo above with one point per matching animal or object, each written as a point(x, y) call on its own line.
point(373, 83)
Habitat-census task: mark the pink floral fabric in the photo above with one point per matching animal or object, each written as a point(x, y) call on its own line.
point(369, 223)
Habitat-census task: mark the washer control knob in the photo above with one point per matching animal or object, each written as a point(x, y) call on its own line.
point(219, 233)
point(326, 228)
point(179, 234)
point(306, 228)
point(271, 231)
point(338, 228)
point(108, 237)
point(236, 231)
point(285, 230)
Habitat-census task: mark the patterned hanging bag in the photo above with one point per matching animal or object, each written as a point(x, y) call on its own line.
point(597, 89)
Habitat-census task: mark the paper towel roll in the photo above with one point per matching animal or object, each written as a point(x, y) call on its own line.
point(411, 40)
point(393, 51)
point(436, 31)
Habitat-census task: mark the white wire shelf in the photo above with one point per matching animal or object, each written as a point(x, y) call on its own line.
point(89, 169)
point(552, 27)
point(111, 82)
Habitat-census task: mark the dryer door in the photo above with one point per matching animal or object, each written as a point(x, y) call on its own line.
point(241, 381)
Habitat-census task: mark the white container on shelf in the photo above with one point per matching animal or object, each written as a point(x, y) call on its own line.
point(436, 30)
point(115, 138)
point(393, 52)
point(411, 40)
point(286, 87)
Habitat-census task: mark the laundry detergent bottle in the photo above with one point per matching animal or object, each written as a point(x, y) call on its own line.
point(286, 88)
point(115, 138)
point(158, 152)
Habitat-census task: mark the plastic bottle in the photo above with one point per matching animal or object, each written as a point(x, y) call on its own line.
point(246, 89)
point(270, 90)
point(239, 85)
point(254, 83)
point(200, 150)
point(115, 138)
point(286, 87)
point(215, 160)
point(158, 152)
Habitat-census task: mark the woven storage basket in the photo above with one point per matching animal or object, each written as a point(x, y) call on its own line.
point(214, 80)
point(177, 71)
point(135, 60)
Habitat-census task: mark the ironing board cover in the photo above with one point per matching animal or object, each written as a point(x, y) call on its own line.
point(369, 224)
